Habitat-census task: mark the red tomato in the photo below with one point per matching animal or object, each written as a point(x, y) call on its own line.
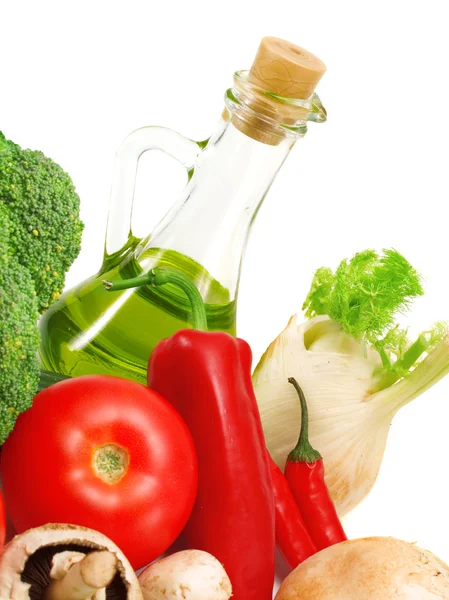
point(2, 522)
point(105, 453)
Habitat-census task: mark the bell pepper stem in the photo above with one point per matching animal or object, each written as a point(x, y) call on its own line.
point(162, 276)
point(303, 451)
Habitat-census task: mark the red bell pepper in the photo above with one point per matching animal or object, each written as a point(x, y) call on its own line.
point(207, 377)
point(2, 522)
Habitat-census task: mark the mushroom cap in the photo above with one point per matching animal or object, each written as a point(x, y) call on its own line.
point(190, 574)
point(376, 568)
point(15, 556)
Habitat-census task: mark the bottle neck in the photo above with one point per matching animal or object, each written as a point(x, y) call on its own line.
point(211, 222)
point(212, 219)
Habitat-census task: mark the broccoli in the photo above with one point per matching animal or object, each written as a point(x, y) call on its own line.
point(43, 210)
point(19, 336)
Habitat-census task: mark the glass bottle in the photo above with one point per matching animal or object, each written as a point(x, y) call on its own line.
point(91, 331)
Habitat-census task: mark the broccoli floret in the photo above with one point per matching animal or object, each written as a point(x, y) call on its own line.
point(43, 209)
point(19, 336)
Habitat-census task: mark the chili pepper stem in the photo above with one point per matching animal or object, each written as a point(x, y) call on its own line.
point(303, 451)
point(162, 276)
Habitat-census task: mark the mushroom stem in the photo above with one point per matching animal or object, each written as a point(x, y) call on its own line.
point(85, 578)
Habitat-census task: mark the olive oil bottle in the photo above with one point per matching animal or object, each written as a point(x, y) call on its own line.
point(204, 235)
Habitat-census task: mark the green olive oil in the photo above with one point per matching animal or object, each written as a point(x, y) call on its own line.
point(92, 331)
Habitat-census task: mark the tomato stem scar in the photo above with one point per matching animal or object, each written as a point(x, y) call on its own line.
point(110, 463)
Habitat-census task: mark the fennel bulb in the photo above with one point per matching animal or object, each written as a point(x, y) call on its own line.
point(356, 368)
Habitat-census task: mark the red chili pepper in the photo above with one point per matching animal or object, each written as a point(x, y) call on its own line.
point(305, 474)
point(292, 537)
point(207, 378)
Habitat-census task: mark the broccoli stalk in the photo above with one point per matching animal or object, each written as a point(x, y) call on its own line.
point(43, 210)
point(19, 337)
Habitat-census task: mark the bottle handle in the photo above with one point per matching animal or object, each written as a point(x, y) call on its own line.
point(126, 162)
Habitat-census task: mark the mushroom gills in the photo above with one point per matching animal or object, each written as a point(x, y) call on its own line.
point(38, 567)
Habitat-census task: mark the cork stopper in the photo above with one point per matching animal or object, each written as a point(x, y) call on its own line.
point(286, 69)
point(281, 80)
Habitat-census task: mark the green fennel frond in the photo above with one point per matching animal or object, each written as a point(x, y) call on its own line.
point(365, 295)
point(410, 354)
point(392, 346)
point(317, 301)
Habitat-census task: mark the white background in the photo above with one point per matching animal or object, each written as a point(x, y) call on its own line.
point(76, 77)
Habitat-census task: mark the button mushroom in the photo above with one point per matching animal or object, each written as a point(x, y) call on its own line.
point(190, 574)
point(376, 568)
point(65, 562)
